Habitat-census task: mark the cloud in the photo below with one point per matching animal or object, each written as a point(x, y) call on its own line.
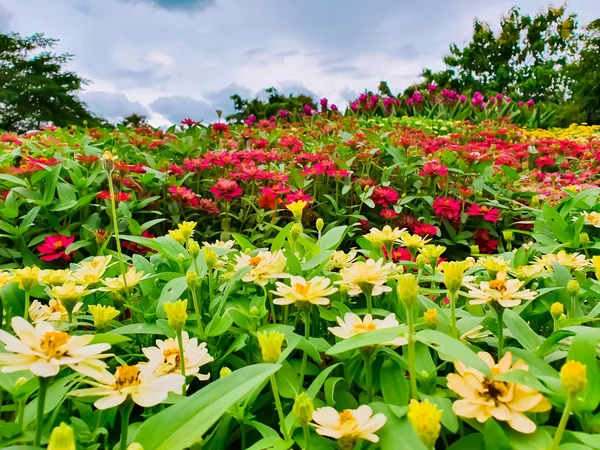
point(112, 106)
point(177, 4)
point(5, 18)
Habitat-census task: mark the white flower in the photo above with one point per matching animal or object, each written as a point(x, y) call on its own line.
point(54, 311)
point(350, 424)
point(314, 291)
point(219, 244)
point(43, 350)
point(352, 325)
point(265, 266)
point(143, 384)
point(507, 293)
point(369, 275)
point(165, 356)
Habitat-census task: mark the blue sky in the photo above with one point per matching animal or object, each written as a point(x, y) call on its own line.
point(171, 59)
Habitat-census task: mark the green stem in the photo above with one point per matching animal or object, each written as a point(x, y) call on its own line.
point(116, 230)
point(27, 303)
point(368, 376)
point(573, 306)
point(243, 433)
point(369, 298)
point(198, 308)
point(500, 315)
point(41, 401)
point(70, 315)
point(414, 393)
point(279, 407)
point(304, 355)
point(125, 411)
point(563, 422)
point(306, 436)
point(21, 404)
point(181, 361)
point(452, 296)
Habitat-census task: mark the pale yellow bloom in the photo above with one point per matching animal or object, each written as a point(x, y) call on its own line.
point(117, 284)
point(219, 244)
point(265, 266)
point(493, 264)
point(186, 229)
point(54, 277)
point(507, 293)
point(54, 311)
point(425, 419)
point(484, 397)
point(366, 276)
point(384, 237)
point(349, 425)
point(69, 292)
point(412, 241)
point(42, 350)
point(351, 325)
point(270, 343)
point(340, 259)
point(27, 277)
point(90, 272)
point(102, 315)
point(573, 261)
point(314, 291)
point(592, 218)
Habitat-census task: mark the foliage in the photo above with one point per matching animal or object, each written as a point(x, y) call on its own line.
point(275, 103)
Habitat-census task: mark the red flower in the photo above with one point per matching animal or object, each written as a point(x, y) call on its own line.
point(227, 189)
point(138, 248)
point(433, 168)
point(489, 214)
point(388, 214)
point(485, 242)
point(54, 247)
point(447, 207)
point(544, 161)
point(87, 160)
point(425, 229)
point(398, 254)
point(208, 205)
point(189, 122)
point(120, 197)
point(220, 127)
point(298, 195)
point(384, 196)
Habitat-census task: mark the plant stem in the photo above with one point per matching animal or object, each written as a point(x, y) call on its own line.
point(279, 407)
point(198, 308)
point(41, 401)
point(563, 422)
point(125, 411)
point(21, 404)
point(116, 230)
point(452, 296)
point(181, 361)
point(305, 355)
point(500, 315)
point(368, 375)
point(414, 393)
point(306, 436)
point(369, 298)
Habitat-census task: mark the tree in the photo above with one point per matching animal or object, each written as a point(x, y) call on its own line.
point(135, 121)
point(526, 58)
point(34, 86)
point(264, 110)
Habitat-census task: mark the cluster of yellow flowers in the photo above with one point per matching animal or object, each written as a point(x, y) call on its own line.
point(575, 132)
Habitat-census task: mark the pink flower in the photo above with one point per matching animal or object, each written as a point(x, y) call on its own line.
point(489, 214)
point(433, 168)
point(425, 229)
point(388, 214)
point(384, 196)
point(447, 207)
point(227, 189)
point(544, 161)
point(298, 195)
point(119, 197)
point(54, 247)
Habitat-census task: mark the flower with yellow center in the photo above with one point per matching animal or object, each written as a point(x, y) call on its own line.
point(5, 278)
point(304, 292)
point(296, 208)
point(351, 325)
point(265, 266)
point(484, 397)
point(592, 218)
point(27, 277)
point(430, 317)
point(42, 350)
point(425, 419)
point(573, 377)
point(143, 384)
point(595, 262)
point(367, 277)
point(178, 236)
point(54, 311)
point(69, 293)
point(573, 261)
point(532, 270)
point(219, 244)
point(506, 293)
point(432, 253)
point(117, 284)
point(340, 260)
point(54, 277)
point(90, 272)
point(165, 356)
point(187, 229)
point(102, 315)
point(270, 343)
point(384, 237)
point(412, 241)
point(493, 264)
point(349, 425)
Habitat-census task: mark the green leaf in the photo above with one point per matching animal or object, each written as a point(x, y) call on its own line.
point(107, 338)
point(54, 397)
point(494, 436)
point(333, 238)
point(521, 331)
point(394, 386)
point(375, 337)
point(181, 425)
point(138, 328)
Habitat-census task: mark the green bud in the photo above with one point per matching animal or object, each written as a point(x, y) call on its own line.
point(135, 446)
point(192, 279)
point(62, 438)
point(320, 224)
point(573, 288)
point(254, 311)
point(408, 289)
point(584, 238)
point(210, 257)
point(176, 314)
point(508, 235)
point(303, 408)
point(193, 248)
point(224, 372)
point(296, 230)
point(474, 249)
point(421, 261)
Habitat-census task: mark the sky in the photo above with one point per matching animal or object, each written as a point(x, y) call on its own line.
point(173, 59)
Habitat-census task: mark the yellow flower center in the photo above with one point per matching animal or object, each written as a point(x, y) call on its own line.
point(127, 376)
point(255, 261)
point(52, 341)
point(346, 416)
point(302, 289)
point(362, 327)
point(498, 285)
point(58, 245)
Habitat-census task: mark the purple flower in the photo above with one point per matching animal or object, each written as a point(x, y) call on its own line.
point(530, 103)
point(432, 87)
point(334, 107)
point(354, 106)
point(362, 97)
point(283, 113)
point(323, 102)
point(463, 98)
point(477, 98)
point(417, 97)
point(308, 110)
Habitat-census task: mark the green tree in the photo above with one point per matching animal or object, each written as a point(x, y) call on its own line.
point(271, 107)
point(35, 87)
point(526, 58)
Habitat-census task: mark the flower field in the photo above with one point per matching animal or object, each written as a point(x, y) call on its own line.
point(313, 281)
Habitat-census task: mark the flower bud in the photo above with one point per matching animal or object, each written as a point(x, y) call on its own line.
point(62, 438)
point(573, 377)
point(102, 315)
point(557, 309)
point(254, 311)
point(108, 161)
point(177, 235)
point(210, 256)
point(421, 261)
point(425, 418)
point(508, 235)
point(193, 248)
point(303, 409)
point(584, 238)
point(474, 249)
point(270, 345)
point(135, 446)
point(176, 314)
point(573, 288)
point(453, 274)
point(192, 279)
point(408, 289)
point(320, 224)
point(430, 317)
point(224, 372)
point(296, 231)
point(296, 208)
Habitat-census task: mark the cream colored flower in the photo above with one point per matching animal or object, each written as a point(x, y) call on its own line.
point(54, 311)
point(27, 277)
point(265, 266)
point(143, 384)
point(165, 356)
point(385, 237)
point(592, 218)
point(54, 277)
point(493, 264)
point(569, 260)
point(219, 244)
point(412, 241)
point(507, 293)
point(117, 284)
point(69, 292)
point(365, 276)
point(484, 397)
point(43, 350)
point(301, 291)
point(90, 272)
point(351, 325)
point(340, 259)
point(349, 425)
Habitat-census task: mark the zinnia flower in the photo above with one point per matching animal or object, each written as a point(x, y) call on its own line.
point(54, 247)
point(227, 189)
point(90, 272)
point(339, 259)
point(489, 214)
point(484, 397)
point(505, 292)
point(351, 325)
point(54, 311)
point(301, 291)
point(117, 284)
point(384, 237)
point(447, 207)
point(349, 425)
point(366, 276)
point(265, 266)
point(42, 350)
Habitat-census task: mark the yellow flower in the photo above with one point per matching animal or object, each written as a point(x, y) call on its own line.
point(102, 315)
point(303, 408)
point(220, 244)
point(265, 266)
point(349, 425)
point(484, 397)
point(425, 418)
point(27, 277)
point(54, 311)
point(454, 273)
point(62, 438)
point(493, 264)
point(430, 317)
point(270, 343)
point(339, 260)
point(351, 325)
point(186, 229)
point(413, 241)
point(176, 314)
point(385, 237)
point(432, 253)
point(118, 284)
point(69, 292)
point(507, 293)
point(296, 208)
point(596, 263)
point(178, 236)
point(90, 272)
point(592, 218)
point(408, 289)
point(573, 261)
point(108, 161)
point(54, 277)
point(573, 377)
point(5, 278)
point(556, 310)
point(314, 291)
point(367, 277)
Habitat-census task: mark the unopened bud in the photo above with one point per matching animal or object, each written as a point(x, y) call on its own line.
point(62, 438)
point(303, 409)
point(573, 377)
point(584, 238)
point(108, 161)
point(135, 446)
point(224, 372)
point(430, 317)
point(176, 314)
point(270, 343)
point(210, 257)
point(421, 261)
point(573, 288)
point(508, 235)
point(408, 289)
point(192, 279)
point(296, 231)
point(557, 309)
point(474, 249)
point(254, 311)
point(193, 248)
point(320, 224)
